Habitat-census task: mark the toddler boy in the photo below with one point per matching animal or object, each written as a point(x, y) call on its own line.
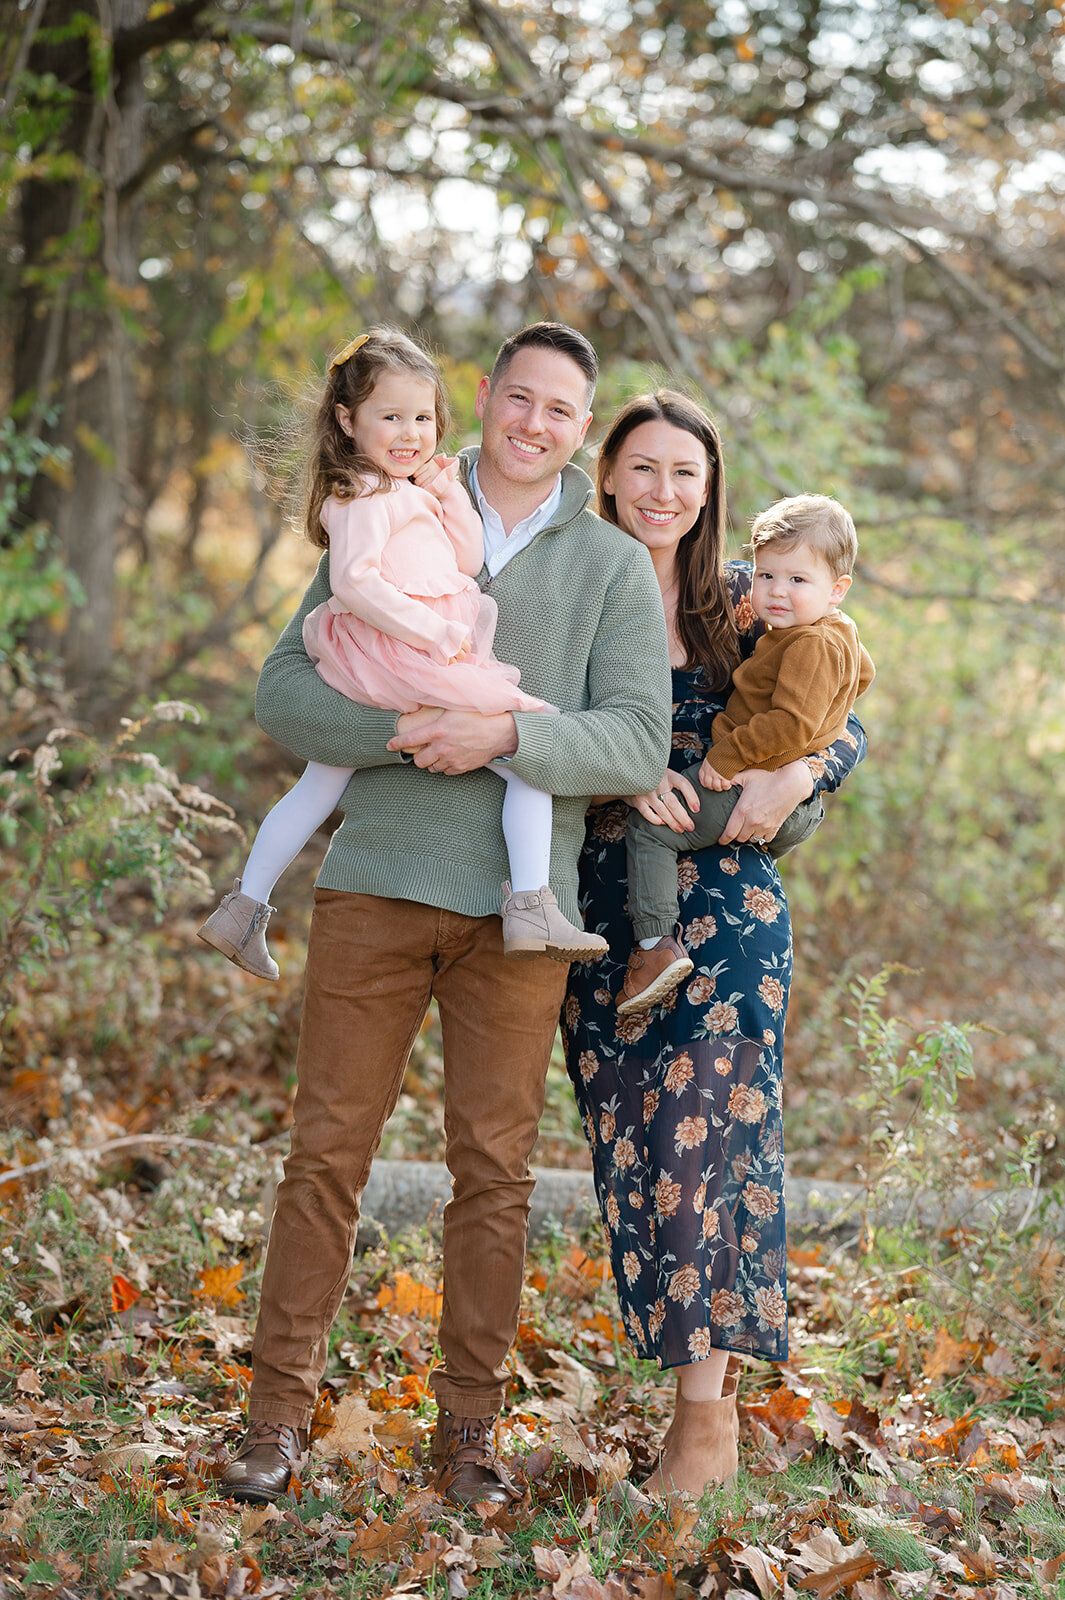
point(790, 698)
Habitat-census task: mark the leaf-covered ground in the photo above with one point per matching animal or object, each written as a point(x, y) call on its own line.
point(914, 1445)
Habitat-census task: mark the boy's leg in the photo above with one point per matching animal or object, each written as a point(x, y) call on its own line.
point(289, 824)
point(652, 850)
point(797, 828)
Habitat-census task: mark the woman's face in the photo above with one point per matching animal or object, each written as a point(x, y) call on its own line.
point(660, 480)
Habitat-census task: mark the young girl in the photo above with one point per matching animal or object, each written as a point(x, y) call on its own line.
point(406, 627)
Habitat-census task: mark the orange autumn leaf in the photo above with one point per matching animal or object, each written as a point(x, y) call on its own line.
point(595, 1269)
point(410, 1298)
point(123, 1293)
point(949, 1356)
point(220, 1284)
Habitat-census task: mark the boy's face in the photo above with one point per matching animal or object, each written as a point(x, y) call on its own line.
point(794, 587)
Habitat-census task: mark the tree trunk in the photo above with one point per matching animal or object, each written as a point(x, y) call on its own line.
point(73, 373)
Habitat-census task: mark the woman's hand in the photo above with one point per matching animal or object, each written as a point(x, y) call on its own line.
point(664, 804)
point(766, 799)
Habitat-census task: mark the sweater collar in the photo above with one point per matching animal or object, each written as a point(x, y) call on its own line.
point(577, 488)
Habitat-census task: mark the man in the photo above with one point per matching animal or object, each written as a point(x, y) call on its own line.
point(406, 907)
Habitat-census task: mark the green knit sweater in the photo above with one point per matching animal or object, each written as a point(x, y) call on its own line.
point(581, 615)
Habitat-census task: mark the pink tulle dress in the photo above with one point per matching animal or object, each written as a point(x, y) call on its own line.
point(402, 566)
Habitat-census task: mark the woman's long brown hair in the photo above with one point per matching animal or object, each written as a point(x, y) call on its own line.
point(705, 621)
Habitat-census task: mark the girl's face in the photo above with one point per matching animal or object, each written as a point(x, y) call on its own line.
point(660, 480)
point(396, 424)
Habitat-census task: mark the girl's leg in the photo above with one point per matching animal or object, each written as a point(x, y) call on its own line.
point(287, 827)
point(533, 924)
point(527, 823)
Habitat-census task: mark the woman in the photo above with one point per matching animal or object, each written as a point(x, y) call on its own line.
point(682, 1106)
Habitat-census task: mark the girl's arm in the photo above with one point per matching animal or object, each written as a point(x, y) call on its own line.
point(461, 522)
point(358, 532)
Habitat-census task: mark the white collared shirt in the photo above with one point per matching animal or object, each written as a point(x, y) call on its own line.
point(499, 546)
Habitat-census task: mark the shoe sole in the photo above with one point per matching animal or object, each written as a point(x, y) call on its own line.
point(254, 1497)
point(226, 947)
point(662, 987)
point(526, 949)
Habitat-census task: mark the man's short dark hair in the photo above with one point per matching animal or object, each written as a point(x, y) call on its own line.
point(550, 336)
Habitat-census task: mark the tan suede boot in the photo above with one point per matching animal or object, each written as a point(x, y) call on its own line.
point(238, 929)
point(534, 926)
point(700, 1450)
point(729, 1386)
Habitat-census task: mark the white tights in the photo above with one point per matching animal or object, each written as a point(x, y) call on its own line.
point(287, 827)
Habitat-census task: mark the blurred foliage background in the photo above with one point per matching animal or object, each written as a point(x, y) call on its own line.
point(836, 222)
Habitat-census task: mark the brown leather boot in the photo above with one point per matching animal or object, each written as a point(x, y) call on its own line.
point(702, 1448)
point(262, 1468)
point(467, 1470)
point(652, 975)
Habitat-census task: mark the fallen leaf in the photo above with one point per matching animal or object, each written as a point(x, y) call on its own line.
point(220, 1284)
point(949, 1356)
point(411, 1298)
point(352, 1430)
point(769, 1579)
point(133, 1457)
point(123, 1293)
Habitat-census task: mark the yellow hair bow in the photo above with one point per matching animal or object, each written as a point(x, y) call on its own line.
point(348, 351)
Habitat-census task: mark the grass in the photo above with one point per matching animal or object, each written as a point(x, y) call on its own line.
point(96, 1382)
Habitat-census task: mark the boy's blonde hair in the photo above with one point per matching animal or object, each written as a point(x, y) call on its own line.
point(813, 519)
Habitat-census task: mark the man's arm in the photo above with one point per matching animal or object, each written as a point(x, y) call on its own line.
point(620, 745)
point(299, 710)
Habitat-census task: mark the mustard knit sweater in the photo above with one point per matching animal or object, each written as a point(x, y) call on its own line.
point(791, 697)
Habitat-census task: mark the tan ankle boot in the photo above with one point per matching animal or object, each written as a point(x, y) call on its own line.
point(238, 928)
point(534, 926)
point(730, 1384)
point(701, 1448)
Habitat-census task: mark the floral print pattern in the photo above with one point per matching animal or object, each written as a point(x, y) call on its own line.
point(682, 1107)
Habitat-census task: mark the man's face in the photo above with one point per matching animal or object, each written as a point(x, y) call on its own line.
point(533, 417)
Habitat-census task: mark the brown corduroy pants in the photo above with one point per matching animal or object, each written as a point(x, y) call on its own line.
point(372, 965)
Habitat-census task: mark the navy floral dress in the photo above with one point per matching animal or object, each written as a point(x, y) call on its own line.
point(682, 1107)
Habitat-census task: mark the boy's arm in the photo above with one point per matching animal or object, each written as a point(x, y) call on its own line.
point(299, 710)
point(810, 675)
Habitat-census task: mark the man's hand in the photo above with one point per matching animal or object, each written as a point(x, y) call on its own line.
point(767, 798)
point(710, 778)
point(455, 741)
point(664, 803)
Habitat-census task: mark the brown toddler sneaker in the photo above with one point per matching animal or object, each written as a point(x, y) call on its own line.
point(652, 975)
point(534, 926)
point(238, 929)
